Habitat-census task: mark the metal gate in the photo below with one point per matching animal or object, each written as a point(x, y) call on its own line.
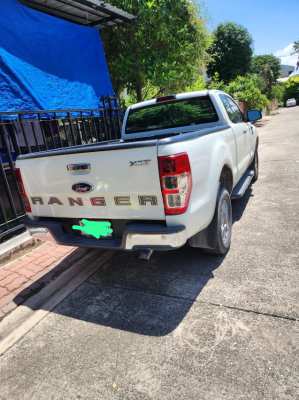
point(24, 132)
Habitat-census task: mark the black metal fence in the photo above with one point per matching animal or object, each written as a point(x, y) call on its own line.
point(24, 132)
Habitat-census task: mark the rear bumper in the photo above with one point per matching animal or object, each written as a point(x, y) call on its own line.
point(136, 236)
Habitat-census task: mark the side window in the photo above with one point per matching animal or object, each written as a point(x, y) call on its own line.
point(232, 109)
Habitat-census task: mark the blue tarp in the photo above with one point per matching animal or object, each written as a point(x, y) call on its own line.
point(49, 63)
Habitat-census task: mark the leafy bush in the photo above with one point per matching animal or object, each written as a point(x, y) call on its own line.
point(198, 84)
point(246, 88)
point(277, 92)
point(217, 83)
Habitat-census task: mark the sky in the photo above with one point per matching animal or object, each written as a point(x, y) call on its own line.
point(273, 24)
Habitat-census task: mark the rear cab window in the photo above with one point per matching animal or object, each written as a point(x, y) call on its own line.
point(171, 114)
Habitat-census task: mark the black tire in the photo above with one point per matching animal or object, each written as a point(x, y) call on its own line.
point(255, 166)
point(221, 225)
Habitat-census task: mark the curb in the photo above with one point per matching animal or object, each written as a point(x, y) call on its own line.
point(20, 321)
point(10, 247)
point(32, 288)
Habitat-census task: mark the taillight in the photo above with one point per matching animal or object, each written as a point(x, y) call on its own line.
point(22, 191)
point(176, 182)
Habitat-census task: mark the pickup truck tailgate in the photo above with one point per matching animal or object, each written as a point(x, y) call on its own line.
point(121, 183)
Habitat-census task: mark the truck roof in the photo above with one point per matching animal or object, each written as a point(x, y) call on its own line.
point(184, 95)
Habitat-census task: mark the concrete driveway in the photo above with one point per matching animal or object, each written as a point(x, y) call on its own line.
point(186, 325)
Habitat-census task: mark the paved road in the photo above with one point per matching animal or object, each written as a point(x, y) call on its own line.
point(186, 325)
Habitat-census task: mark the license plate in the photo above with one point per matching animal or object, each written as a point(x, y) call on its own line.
point(96, 229)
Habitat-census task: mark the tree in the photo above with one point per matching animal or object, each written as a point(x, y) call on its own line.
point(163, 49)
point(230, 52)
point(296, 51)
point(267, 67)
point(245, 88)
point(296, 47)
point(291, 89)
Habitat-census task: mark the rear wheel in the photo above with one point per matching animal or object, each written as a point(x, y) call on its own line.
point(221, 226)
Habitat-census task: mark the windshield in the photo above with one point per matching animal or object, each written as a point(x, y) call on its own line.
point(171, 114)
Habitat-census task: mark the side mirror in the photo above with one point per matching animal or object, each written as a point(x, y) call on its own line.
point(254, 115)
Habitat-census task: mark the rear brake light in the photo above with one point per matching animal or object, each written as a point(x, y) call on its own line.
point(176, 182)
point(165, 98)
point(22, 191)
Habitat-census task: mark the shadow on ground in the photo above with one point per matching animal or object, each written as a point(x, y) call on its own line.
point(49, 277)
point(148, 298)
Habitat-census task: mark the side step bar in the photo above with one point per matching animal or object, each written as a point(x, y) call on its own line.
point(243, 185)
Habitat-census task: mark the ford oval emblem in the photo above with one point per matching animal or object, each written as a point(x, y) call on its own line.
point(82, 187)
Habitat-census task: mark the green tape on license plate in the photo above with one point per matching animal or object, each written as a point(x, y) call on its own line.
point(96, 229)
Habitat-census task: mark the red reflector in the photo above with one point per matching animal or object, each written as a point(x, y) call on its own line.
point(176, 182)
point(22, 191)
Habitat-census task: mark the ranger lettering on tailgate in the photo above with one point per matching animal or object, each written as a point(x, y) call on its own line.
point(143, 200)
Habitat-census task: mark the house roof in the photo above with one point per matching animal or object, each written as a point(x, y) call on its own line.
point(94, 13)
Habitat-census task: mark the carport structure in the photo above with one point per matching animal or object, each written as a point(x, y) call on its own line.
point(92, 13)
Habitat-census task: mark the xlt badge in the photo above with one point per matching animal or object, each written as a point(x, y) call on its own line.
point(139, 163)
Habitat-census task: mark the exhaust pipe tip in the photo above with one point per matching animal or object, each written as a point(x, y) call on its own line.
point(146, 254)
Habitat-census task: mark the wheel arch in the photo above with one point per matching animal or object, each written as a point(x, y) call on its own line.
point(226, 178)
point(257, 143)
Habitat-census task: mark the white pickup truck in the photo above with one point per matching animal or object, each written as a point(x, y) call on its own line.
point(168, 181)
